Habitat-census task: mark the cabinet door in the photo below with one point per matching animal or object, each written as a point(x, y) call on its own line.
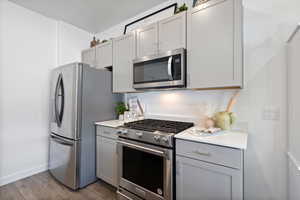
point(107, 160)
point(88, 56)
point(172, 33)
point(123, 54)
point(197, 180)
point(215, 45)
point(147, 40)
point(104, 55)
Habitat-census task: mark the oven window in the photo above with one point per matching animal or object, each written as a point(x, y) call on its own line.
point(144, 169)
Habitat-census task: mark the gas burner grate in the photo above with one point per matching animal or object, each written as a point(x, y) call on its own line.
point(152, 125)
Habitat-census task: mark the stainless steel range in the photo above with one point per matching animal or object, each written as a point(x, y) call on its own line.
point(145, 159)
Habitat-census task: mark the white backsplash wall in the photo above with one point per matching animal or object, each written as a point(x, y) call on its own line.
point(183, 104)
point(261, 107)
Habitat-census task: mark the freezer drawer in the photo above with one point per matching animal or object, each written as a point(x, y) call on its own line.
point(63, 160)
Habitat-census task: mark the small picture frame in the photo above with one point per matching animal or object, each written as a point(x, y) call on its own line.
point(198, 2)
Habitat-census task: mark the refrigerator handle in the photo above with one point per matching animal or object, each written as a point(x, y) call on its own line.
point(59, 85)
point(61, 140)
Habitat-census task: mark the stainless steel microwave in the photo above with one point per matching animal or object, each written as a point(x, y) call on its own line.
point(166, 70)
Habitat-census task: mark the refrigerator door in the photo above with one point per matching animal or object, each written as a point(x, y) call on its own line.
point(66, 101)
point(63, 164)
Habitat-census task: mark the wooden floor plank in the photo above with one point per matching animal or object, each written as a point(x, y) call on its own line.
point(10, 192)
point(44, 187)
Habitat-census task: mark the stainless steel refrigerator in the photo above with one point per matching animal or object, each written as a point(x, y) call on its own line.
point(80, 95)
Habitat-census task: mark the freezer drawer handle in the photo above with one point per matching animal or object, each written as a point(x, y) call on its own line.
point(61, 141)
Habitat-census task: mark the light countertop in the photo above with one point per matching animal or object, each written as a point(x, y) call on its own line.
point(114, 123)
point(231, 139)
point(111, 123)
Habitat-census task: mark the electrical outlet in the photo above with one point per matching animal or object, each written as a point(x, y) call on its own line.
point(271, 113)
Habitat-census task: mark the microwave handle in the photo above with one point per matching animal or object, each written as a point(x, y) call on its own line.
point(170, 68)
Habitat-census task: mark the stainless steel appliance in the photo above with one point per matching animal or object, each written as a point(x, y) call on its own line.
point(145, 159)
point(80, 95)
point(160, 71)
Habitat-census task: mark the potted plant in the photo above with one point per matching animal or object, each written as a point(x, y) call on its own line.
point(181, 9)
point(120, 109)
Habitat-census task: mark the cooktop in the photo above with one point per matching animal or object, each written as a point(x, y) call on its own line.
point(153, 125)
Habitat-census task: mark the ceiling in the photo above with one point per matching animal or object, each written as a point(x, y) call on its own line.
point(91, 15)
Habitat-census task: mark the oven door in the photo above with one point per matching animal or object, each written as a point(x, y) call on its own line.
point(160, 71)
point(145, 170)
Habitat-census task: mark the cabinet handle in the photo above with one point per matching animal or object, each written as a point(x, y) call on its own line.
point(106, 132)
point(202, 153)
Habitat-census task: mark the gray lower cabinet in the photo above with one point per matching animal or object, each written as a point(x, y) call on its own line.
point(107, 155)
point(204, 172)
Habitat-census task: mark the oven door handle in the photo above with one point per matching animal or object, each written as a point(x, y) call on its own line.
point(145, 149)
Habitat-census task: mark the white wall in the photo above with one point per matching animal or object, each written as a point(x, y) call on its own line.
point(293, 60)
point(31, 45)
point(267, 25)
point(71, 41)
point(118, 29)
point(294, 181)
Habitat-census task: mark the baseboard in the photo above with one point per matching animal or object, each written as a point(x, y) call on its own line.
point(22, 174)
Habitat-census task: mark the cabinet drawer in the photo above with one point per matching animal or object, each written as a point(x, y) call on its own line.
point(107, 132)
point(211, 153)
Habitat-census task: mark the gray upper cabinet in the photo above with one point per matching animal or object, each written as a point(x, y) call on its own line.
point(104, 55)
point(88, 56)
point(172, 33)
point(124, 51)
point(147, 40)
point(214, 48)
point(165, 35)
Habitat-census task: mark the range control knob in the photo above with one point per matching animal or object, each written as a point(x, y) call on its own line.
point(120, 132)
point(156, 138)
point(165, 139)
point(124, 132)
point(139, 134)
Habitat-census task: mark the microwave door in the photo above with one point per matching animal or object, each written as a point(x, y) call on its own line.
point(153, 71)
point(163, 71)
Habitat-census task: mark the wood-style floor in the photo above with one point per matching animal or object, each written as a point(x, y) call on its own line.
point(43, 187)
